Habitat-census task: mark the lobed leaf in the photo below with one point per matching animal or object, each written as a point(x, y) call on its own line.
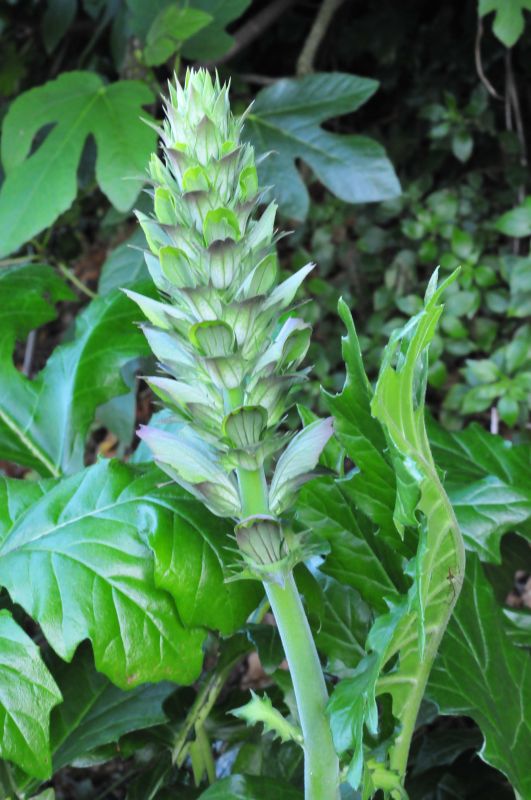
point(285, 123)
point(480, 674)
point(39, 186)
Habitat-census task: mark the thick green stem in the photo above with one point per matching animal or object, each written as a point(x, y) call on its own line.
point(321, 766)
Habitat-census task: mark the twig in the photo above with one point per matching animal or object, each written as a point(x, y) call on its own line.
point(479, 63)
point(253, 28)
point(494, 421)
point(318, 30)
point(75, 280)
point(7, 262)
point(28, 353)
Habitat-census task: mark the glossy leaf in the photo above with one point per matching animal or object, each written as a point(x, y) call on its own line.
point(516, 223)
point(41, 185)
point(486, 478)
point(73, 555)
point(27, 695)
point(44, 422)
point(285, 122)
point(480, 674)
point(96, 713)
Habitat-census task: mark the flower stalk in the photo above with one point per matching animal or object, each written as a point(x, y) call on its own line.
point(230, 350)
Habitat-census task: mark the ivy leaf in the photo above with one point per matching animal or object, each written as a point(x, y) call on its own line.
point(516, 223)
point(44, 422)
point(95, 713)
point(480, 674)
point(39, 186)
point(73, 555)
point(27, 695)
point(285, 122)
point(509, 19)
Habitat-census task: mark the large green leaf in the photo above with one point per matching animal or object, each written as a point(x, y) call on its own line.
point(358, 557)
point(285, 122)
point(73, 555)
point(191, 564)
point(487, 480)
point(480, 674)
point(44, 422)
point(39, 186)
point(27, 695)
point(407, 638)
point(29, 294)
point(95, 713)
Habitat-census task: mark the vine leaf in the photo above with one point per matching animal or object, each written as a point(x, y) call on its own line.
point(480, 674)
point(27, 695)
point(44, 421)
point(285, 123)
point(42, 185)
point(73, 555)
point(413, 627)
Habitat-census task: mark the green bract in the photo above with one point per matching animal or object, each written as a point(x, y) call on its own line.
point(222, 332)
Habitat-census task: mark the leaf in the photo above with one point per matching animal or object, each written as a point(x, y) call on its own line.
point(260, 709)
point(29, 294)
point(480, 674)
point(285, 122)
point(73, 555)
point(373, 485)
point(344, 621)
point(243, 787)
point(44, 422)
point(172, 26)
point(57, 19)
point(95, 713)
point(213, 41)
point(517, 222)
point(27, 695)
point(191, 563)
point(125, 265)
point(407, 637)
point(39, 186)
point(487, 482)
point(509, 19)
point(358, 557)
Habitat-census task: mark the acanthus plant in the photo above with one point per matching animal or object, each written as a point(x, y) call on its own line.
point(230, 349)
point(140, 567)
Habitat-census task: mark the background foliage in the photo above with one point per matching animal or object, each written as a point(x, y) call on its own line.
point(399, 143)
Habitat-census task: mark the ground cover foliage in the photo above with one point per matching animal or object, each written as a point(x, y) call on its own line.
point(394, 140)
